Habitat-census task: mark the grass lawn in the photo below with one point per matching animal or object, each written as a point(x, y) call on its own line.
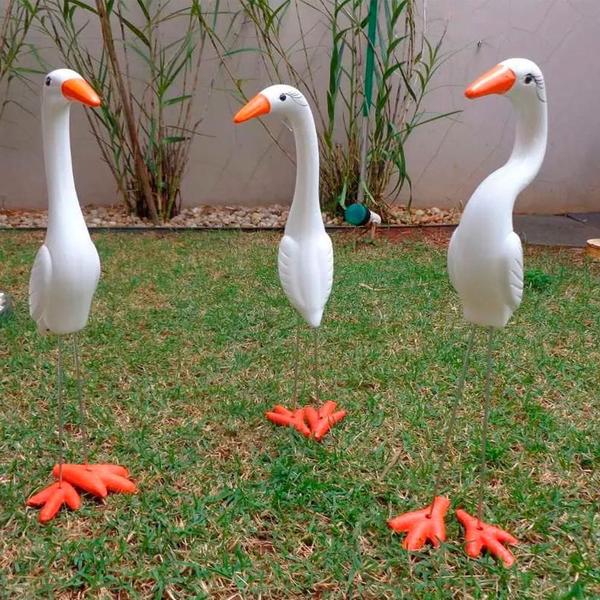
point(191, 339)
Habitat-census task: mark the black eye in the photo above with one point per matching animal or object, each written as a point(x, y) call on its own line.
point(48, 80)
point(282, 97)
point(528, 78)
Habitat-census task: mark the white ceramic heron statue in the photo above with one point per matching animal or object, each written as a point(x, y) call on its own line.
point(485, 266)
point(305, 260)
point(63, 281)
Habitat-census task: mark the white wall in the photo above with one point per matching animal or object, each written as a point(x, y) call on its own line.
point(240, 164)
point(563, 37)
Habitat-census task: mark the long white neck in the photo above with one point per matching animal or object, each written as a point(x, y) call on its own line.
point(490, 209)
point(63, 206)
point(305, 212)
point(530, 142)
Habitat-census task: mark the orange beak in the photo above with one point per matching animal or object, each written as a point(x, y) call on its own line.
point(81, 91)
point(496, 81)
point(259, 105)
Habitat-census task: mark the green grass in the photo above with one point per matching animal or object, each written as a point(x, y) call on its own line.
point(191, 340)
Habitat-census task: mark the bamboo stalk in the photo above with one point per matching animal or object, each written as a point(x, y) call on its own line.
point(140, 165)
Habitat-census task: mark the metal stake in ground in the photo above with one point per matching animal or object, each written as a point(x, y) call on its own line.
point(81, 402)
point(484, 424)
point(316, 365)
point(445, 447)
point(59, 412)
point(296, 363)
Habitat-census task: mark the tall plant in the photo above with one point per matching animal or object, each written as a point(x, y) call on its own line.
point(17, 19)
point(374, 107)
point(148, 81)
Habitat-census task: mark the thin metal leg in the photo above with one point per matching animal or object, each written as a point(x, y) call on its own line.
point(484, 424)
point(443, 450)
point(82, 409)
point(296, 361)
point(59, 411)
point(316, 341)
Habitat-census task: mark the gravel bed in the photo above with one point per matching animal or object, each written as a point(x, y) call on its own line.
point(219, 216)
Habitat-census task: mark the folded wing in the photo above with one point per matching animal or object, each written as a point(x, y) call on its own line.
point(38, 285)
point(306, 274)
point(513, 270)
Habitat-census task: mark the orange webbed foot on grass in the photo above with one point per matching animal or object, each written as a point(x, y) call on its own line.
point(52, 498)
point(97, 480)
point(282, 416)
point(308, 420)
point(480, 536)
point(423, 525)
point(328, 417)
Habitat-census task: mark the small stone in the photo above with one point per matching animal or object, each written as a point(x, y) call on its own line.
point(221, 216)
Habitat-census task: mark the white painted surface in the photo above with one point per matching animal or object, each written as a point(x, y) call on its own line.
point(305, 258)
point(67, 267)
point(447, 160)
point(485, 257)
point(561, 36)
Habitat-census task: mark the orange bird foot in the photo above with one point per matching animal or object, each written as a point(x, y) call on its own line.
point(97, 480)
point(423, 525)
point(296, 419)
point(52, 498)
point(479, 536)
point(308, 420)
point(327, 418)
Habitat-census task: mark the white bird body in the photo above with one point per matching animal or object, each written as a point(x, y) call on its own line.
point(67, 267)
point(305, 267)
point(485, 257)
point(305, 259)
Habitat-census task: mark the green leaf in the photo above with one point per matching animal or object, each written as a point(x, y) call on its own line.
point(80, 4)
point(177, 100)
point(173, 139)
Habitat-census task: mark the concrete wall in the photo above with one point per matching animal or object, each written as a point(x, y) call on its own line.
point(563, 37)
point(240, 164)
